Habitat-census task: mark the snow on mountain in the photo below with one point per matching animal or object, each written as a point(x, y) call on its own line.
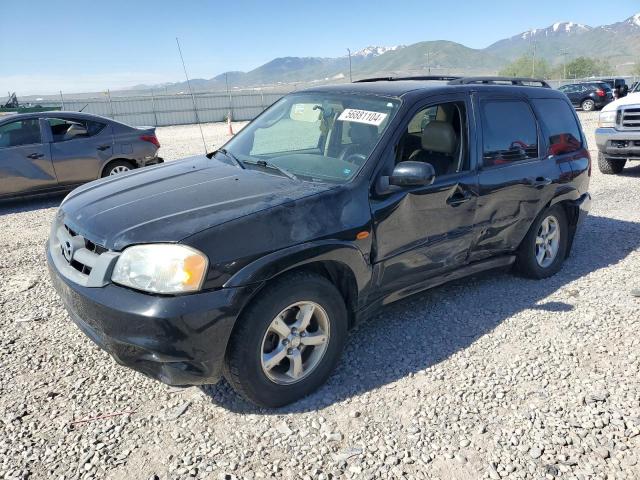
point(373, 51)
point(558, 28)
point(635, 20)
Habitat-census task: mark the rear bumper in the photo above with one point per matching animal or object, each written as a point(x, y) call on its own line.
point(178, 340)
point(618, 143)
point(145, 162)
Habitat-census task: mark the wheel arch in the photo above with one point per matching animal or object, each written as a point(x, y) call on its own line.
point(343, 264)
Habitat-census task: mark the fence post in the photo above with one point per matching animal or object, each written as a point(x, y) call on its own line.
point(153, 106)
point(110, 104)
point(62, 100)
point(262, 100)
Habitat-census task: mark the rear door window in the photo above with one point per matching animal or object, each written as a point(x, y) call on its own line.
point(61, 128)
point(20, 132)
point(560, 124)
point(510, 132)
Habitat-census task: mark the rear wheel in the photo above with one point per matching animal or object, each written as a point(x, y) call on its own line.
point(544, 249)
point(288, 341)
point(610, 166)
point(117, 167)
point(588, 105)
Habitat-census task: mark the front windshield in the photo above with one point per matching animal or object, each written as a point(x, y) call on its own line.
point(315, 136)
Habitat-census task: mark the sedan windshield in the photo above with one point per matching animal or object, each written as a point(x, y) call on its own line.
point(314, 136)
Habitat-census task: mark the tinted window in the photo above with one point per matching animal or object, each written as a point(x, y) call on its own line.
point(21, 132)
point(509, 132)
point(559, 120)
point(60, 128)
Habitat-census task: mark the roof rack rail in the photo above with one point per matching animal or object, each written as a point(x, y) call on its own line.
point(519, 81)
point(396, 79)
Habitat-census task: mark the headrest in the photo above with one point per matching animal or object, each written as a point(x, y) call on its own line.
point(439, 137)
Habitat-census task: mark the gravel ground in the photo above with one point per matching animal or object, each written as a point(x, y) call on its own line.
point(490, 377)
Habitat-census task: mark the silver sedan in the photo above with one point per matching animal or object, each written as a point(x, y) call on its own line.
point(55, 151)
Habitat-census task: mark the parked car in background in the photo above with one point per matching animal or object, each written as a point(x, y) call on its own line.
point(255, 261)
point(588, 96)
point(618, 134)
point(56, 151)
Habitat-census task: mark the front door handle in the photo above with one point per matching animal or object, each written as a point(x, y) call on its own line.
point(459, 198)
point(540, 182)
point(103, 147)
point(35, 156)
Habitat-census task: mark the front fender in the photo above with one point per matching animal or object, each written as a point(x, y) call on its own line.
point(273, 264)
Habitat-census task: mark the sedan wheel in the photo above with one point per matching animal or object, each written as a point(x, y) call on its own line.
point(119, 169)
point(295, 342)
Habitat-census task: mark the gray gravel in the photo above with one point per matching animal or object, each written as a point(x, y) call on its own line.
point(490, 377)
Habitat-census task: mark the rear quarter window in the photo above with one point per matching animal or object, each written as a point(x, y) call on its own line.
point(560, 124)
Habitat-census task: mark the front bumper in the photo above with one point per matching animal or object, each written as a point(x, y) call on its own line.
point(178, 340)
point(618, 143)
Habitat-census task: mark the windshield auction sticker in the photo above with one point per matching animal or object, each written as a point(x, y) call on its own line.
point(362, 116)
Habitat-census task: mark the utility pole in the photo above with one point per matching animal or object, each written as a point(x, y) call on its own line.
point(428, 55)
point(533, 63)
point(350, 76)
point(564, 52)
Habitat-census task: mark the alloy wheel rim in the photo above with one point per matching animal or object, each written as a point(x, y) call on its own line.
point(547, 241)
point(294, 343)
point(588, 106)
point(119, 169)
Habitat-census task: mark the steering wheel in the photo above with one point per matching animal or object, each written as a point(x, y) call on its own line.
point(354, 157)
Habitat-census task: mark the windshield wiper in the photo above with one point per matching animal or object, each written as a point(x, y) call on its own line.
point(265, 164)
point(230, 155)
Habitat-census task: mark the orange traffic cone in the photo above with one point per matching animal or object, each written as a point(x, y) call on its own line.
point(229, 124)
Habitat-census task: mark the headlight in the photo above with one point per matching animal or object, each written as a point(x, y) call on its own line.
point(607, 119)
point(161, 268)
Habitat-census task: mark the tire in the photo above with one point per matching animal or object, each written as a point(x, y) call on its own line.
point(610, 166)
point(527, 261)
point(117, 167)
point(246, 365)
point(588, 105)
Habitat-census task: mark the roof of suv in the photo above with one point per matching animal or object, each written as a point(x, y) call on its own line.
point(402, 86)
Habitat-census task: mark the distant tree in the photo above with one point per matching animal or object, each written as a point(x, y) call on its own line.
point(582, 67)
point(523, 67)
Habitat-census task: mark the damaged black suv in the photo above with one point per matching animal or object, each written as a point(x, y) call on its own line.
point(253, 262)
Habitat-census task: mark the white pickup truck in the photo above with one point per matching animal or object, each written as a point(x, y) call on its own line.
point(618, 133)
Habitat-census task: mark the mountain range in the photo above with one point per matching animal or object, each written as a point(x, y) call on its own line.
point(619, 43)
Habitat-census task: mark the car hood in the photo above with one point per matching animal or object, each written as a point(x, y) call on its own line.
point(175, 200)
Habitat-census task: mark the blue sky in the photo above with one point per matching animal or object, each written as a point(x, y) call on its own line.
point(46, 46)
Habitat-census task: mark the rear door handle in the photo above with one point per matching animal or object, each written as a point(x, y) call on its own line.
point(103, 147)
point(459, 198)
point(35, 156)
point(540, 182)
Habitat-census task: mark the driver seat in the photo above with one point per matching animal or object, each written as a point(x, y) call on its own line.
point(362, 137)
point(439, 147)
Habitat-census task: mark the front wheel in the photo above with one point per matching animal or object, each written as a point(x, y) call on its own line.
point(610, 166)
point(588, 105)
point(544, 249)
point(288, 341)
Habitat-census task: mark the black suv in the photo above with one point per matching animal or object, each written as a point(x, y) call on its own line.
point(588, 96)
point(256, 260)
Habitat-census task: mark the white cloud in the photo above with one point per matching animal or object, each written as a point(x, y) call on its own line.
point(51, 84)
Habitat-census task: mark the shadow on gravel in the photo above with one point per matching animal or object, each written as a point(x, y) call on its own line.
point(421, 331)
point(31, 204)
point(633, 171)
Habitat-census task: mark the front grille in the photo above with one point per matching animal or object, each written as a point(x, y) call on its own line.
point(630, 118)
point(84, 253)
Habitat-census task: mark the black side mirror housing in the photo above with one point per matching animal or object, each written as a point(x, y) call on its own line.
point(412, 174)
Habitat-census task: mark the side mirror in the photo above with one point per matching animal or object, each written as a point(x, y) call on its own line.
point(412, 174)
point(75, 130)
